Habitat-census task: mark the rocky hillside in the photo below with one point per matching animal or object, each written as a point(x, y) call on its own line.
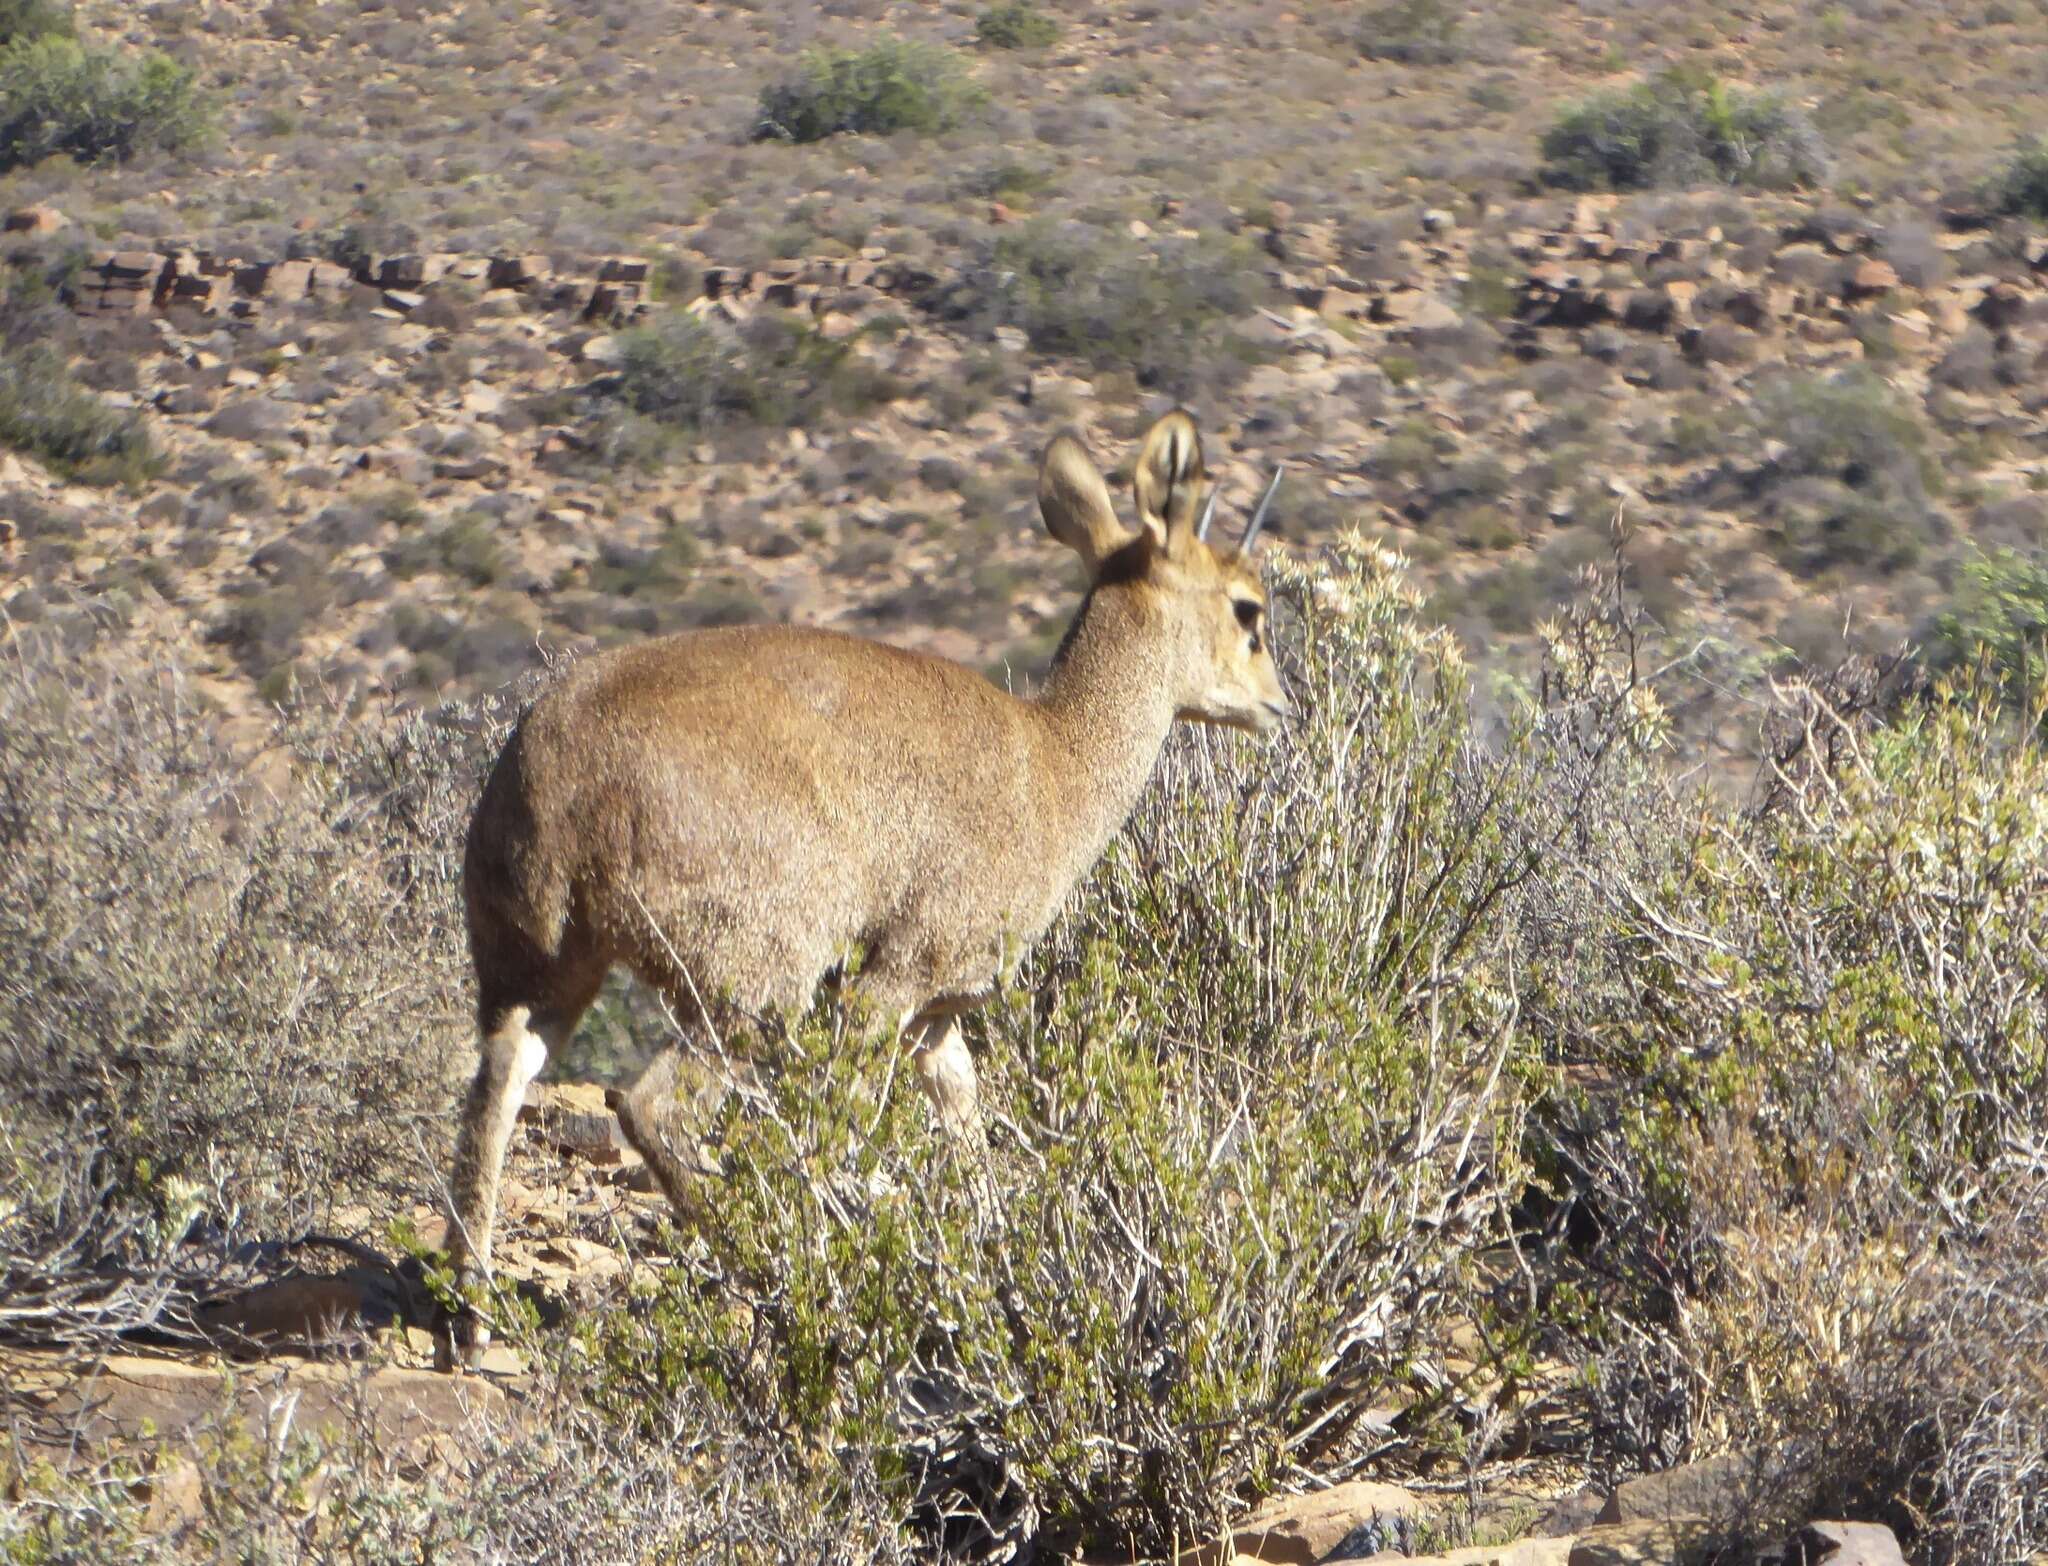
point(400, 352)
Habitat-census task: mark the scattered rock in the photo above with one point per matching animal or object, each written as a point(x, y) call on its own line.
point(574, 1117)
point(1522, 1552)
point(35, 221)
point(251, 419)
point(1868, 278)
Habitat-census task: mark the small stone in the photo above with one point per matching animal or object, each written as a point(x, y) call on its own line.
point(403, 300)
point(1436, 220)
point(603, 349)
point(1869, 277)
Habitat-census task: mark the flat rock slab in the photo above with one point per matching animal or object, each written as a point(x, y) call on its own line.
point(1523, 1552)
point(126, 1398)
point(1674, 1542)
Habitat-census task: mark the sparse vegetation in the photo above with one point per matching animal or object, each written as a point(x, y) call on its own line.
point(893, 85)
point(47, 415)
point(1412, 32)
point(94, 104)
point(2021, 187)
point(25, 19)
point(1165, 313)
point(1016, 24)
point(1849, 484)
point(683, 374)
point(1684, 128)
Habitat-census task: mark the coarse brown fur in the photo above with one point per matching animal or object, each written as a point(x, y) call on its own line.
point(730, 813)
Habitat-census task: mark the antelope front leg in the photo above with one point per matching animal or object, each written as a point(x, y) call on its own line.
point(947, 1072)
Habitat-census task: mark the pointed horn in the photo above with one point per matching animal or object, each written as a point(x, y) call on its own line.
point(1251, 534)
point(1208, 512)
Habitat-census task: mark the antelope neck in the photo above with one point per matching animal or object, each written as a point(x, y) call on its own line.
point(1107, 706)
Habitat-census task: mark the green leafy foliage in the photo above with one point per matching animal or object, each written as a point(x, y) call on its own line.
point(46, 414)
point(2021, 187)
point(1999, 614)
point(1016, 24)
point(896, 84)
point(59, 96)
point(20, 19)
point(1684, 128)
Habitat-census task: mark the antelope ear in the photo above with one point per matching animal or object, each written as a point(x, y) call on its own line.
point(1169, 479)
point(1075, 503)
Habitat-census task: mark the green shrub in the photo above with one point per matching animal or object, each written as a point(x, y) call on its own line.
point(1412, 32)
point(1016, 24)
point(60, 96)
point(1818, 1171)
point(20, 19)
point(1162, 313)
point(1998, 613)
point(1684, 128)
point(682, 374)
point(46, 414)
point(2021, 187)
point(895, 85)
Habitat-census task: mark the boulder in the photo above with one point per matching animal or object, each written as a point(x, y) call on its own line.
point(1572, 1513)
point(1721, 1488)
point(1846, 1544)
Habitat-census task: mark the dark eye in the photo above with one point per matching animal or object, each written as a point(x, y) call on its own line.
point(1249, 611)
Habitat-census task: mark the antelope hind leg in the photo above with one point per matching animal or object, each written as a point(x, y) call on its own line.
point(513, 1054)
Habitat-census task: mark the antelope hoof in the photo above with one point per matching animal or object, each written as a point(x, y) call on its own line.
point(461, 1336)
